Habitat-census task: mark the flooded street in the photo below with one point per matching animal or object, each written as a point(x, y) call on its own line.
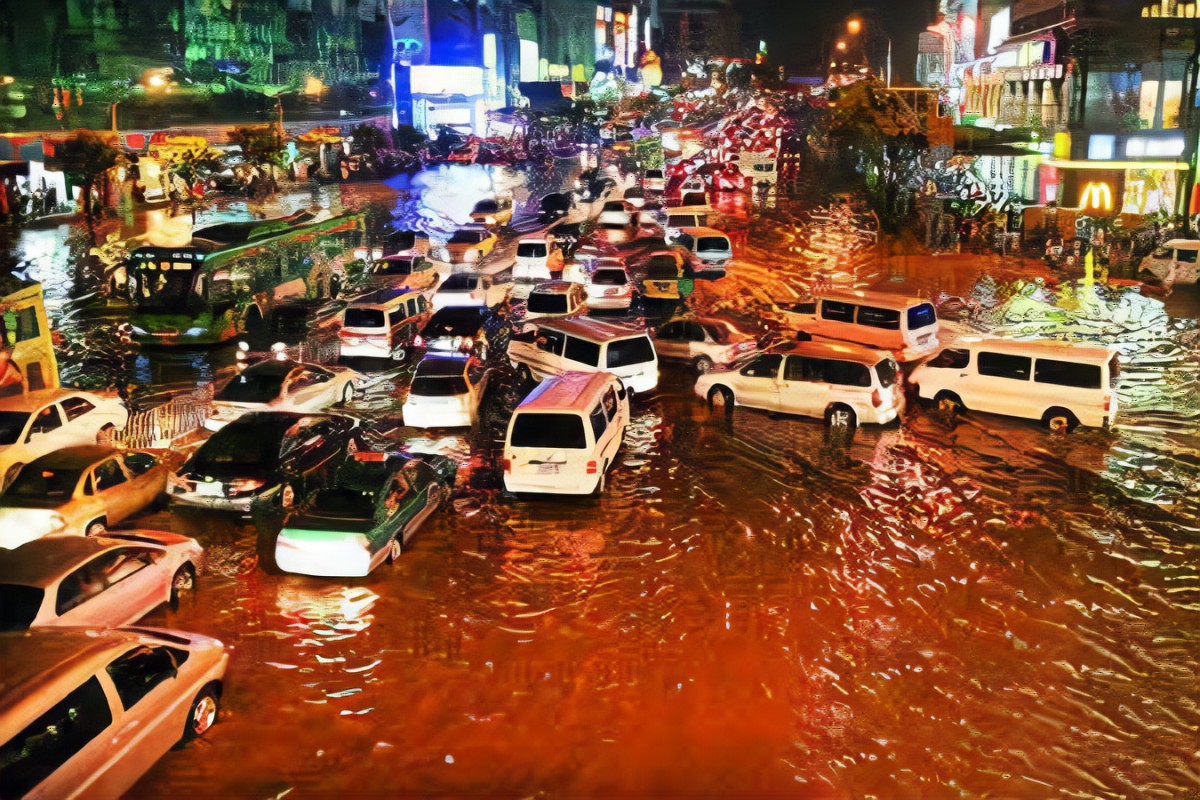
point(755, 607)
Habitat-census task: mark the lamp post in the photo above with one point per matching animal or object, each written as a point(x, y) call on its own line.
point(113, 111)
point(854, 26)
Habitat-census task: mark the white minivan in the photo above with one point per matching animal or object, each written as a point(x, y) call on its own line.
point(1061, 384)
point(1175, 259)
point(906, 326)
point(551, 347)
point(84, 713)
point(533, 260)
point(712, 249)
point(382, 324)
point(565, 435)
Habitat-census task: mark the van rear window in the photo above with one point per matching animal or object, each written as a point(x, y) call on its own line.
point(560, 431)
point(886, 318)
point(838, 312)
point(627, 352)
point(921, 316)
point(1067, 373)
point(362, 318)
point(531, 250)
point(709, 244)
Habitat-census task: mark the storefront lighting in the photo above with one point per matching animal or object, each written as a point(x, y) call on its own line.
point(1097, 198)
point(1073, 164)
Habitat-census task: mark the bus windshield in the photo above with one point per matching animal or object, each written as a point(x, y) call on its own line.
point(162, 289)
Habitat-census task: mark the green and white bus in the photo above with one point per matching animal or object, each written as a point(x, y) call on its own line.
point(238, 277)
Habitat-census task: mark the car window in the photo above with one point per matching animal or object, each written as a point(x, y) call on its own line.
point(1186, 256)
point(950, 358)
point(51, 740)
point(847, 373)
point(628, 352)
point(550, 341)
point(84, 583)
point(45, 420)
point(599, 422)
point(886, 318)
point(838, 312)
point(139, 463)
point(397, 494)
point(610, 403)
point(921, 316)
point(695, 332)
point(34, 482)
point(582, 351)
point(671, 331)
point(763, 367)
point(137, 672)
point(1067, 373)
point(108, 475)
point(1003, 365)
point(804, 369)
point(76, 407)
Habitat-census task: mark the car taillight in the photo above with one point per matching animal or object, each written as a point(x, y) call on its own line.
point(507, 464)
point(876, 398)
point(244, 485)
point(592, 468)
point(1107, 403)
point(419, 341)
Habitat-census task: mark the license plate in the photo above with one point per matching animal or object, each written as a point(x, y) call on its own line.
point(547, 469)
point(210, 489)
point(611, 292)
point(664, 286)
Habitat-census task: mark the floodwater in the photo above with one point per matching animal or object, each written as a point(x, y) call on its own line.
point(970, 608)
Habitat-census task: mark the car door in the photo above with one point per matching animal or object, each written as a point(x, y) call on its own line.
point(403, 502)
point(147, 477)
point(112, 487)
point(114, 588)
point(45, 433)
point(616, 423)
point(757, 383)
point(803, 389)
point(669, 341)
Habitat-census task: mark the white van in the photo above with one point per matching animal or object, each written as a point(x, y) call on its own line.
point(551, 347)
point(1061, 384)
point(1178, 256)
point(86, 712)
point(683, 218)
point(654, 180)
point(533, 260)
point(712, 249)
point(906, 326)
point(382, 324)
point(563, 437)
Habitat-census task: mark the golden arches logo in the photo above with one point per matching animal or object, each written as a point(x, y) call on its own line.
point(1097, 197)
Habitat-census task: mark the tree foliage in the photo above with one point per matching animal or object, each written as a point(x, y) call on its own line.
point(261, 144)
point(86, 158)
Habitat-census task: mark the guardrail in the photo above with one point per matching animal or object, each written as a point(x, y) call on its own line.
point(159, 427)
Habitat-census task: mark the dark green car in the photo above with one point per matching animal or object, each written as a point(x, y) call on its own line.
point(366, 517)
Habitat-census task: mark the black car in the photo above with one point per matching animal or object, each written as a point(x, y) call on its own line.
point(457, 329)
point(265, 456)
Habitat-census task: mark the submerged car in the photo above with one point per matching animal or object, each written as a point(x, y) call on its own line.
point(609, 287)
point(36, 423)
point(283, 386)
point(703, 342)
point(366, 517)
point(470, 244)
point(457, 329)
point(78, 490)
point(446, 392)
point(402, 271)
point(264, 455)
point(106, 581)
point(555, 299)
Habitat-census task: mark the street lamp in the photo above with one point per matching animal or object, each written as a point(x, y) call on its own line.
point(854, 26)
point(841, 45)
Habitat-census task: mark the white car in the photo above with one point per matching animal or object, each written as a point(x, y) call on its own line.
point(274, 385)
point(105, 581)
point(845, 384)
point(534, 257)
point(446, 392)
point(470, 289)
point(616, 214)
point(703, 342)
point(555, 299)
point(37, 423)
point(609, 287)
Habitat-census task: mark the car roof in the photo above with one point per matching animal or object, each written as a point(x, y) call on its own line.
point(553, 287)
point(32, 401)
point(383, 297)
point(838, 350)
point(597, 330)
point(872, 297)
point(43, 561)
point(1181, 244)
point(77, 457)
point(1039, 348)
point(567, 391)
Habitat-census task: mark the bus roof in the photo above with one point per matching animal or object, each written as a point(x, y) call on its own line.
point(567, 392)
point(596, 330)
point(874, 298)
point(1037, 348)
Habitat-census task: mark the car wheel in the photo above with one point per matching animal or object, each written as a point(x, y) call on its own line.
point(97, 527)
point(347, 393)
point(104, 436)
point(183, 583)
point(841, 417)
point(702, 365)
point(949, 404)
point(202, 715)
point(720, 399)
point(1060, 420)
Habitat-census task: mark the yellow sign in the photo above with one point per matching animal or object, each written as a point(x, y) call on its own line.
point(1096, 197)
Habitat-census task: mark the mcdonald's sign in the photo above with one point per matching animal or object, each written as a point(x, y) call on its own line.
point(1096, 197)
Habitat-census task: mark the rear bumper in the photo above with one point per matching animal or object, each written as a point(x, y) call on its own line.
point(364, 350)
point(551, 484)
point(346, 559)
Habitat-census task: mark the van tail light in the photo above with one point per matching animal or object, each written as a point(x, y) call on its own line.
point(592, 468)
point(1107, 403)
point(876, 398)
point(244, 485)
point(507, 464)
point(419, 341)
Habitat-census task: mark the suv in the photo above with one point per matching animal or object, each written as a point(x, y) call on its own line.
point(555, 299)
point(551, 347)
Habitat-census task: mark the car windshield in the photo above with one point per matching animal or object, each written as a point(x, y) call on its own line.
point(343, 503)
point(18, 606)
point(253, 386)
point(462, 282)
point(921, 316)
point(531, 250)
point(42, 483)
point(706, 244)
point(546, 303)
point(438, 385)
point(627, 352)
point(241, 446)
point(394, 266)
point(11, 425)
point(609, 277)
point(887, 371)
point(560, 431)
point(362, 318)
point(454, 322)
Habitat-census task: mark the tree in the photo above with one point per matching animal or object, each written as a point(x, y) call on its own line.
point(195, 163)
point(261, 144)
point(86, 159)
point(366, 138)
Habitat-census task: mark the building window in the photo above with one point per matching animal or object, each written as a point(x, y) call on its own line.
point(1101, 147)
point(1149, 106)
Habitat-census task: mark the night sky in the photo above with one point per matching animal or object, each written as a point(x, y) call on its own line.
point(794, 29)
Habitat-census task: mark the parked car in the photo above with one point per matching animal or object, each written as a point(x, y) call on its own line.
point(844, 384)
point(366, 516)
point(445, 392)
point(470, 244)
point(470, 289)
point(402, 271)
point(565, 435)
point(36, 423)
point(264, 455)
point(492, 211)
point(906, 326)
point(553, 346)
point(668, 275)
point(703, 342)
point(105, 581)
point(1061, 384)
point(78, 490)
point(616, 214)
point(609, 287)
point(281, 386)
point(555, 299)
point(457, 329)
point(86, 712)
